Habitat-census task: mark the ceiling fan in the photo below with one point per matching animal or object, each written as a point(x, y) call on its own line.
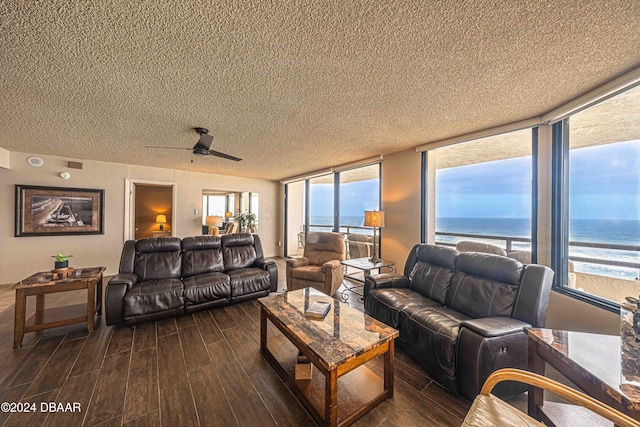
point(202, 146)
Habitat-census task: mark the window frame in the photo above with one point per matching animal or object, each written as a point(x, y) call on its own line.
point(560, 221)
point(336, 200)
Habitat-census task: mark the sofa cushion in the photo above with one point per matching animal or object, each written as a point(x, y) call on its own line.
point(432, 272)
point(157, 259)
point(201, 254)
point(153, 296)
point(238, 251)
point(308, 272)
point(484, 285)
point(387, 303)
point(247, 281)
point(433, 333)
point(207, 287)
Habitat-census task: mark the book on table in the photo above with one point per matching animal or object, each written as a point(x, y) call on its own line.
point(318, 310)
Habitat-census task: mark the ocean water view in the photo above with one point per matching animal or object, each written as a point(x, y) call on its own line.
point(622, 232)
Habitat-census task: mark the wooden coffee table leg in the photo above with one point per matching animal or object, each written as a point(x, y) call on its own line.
point(18, 327)
point(263, 328)
point(331, 398)
point(388, 368)
point(91, 305)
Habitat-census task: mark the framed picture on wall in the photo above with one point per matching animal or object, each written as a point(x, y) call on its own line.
point(58, 211)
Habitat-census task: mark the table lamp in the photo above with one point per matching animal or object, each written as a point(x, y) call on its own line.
point(374, 219)
point(161, 219)
point(214, 222)
point(228, 216)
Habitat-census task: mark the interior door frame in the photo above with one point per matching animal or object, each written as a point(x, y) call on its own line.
point(129, 204)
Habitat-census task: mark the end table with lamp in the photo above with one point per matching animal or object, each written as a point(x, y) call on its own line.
point(214, 222)
point(374, 219)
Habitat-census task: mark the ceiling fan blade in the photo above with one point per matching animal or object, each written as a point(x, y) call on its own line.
point(205, 140)
point(224, 156)
point(167, 148)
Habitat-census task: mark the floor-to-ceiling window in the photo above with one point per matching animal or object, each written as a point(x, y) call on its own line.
point(359, 192)
point(604, 199)
point(483, 193)
point(332, 202)
point(321, 196)
point(213, 204)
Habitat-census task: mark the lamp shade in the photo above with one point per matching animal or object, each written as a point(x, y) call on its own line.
point(373, 218)
point(214, 221)
point(162, 219)
point(228, 215)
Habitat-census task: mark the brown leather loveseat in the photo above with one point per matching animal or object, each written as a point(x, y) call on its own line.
point(169, 277)
point(461, 315)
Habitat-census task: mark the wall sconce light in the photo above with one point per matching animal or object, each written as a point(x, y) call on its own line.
point(214, 222)
point(374, 219)
point(161, 219)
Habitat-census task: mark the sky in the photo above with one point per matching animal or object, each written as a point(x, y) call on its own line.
point(355, 198)
point(604, 184)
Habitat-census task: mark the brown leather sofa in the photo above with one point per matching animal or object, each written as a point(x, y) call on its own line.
point(461, 315)
point(168, 277)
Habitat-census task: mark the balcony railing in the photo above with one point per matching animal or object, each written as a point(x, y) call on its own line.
point(508, 245)
point(344, 229)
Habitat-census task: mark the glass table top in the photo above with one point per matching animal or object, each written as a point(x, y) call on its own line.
point(366, 264)
point(601, 358)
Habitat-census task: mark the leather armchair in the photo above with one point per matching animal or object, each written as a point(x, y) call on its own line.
point(320, 266)
point(471, 246)
point(360, 245)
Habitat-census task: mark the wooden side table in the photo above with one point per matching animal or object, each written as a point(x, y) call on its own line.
point(43, 283)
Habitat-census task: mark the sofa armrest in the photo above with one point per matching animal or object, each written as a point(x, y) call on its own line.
point(115, 292)
point(384, 280)
point(128, 279)
point(297, 262)
point(272, 268)
point(333, 276)
point(328, 266)
point(486, 345)
point(495, 326)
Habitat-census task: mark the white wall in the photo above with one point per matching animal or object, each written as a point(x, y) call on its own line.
point(22, 256)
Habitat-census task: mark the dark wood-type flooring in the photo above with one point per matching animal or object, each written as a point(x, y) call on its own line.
point(203, 369)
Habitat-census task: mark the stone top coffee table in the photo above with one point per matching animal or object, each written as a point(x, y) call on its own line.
point(337, 346)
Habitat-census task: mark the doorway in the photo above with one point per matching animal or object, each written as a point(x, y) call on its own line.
point(149, 209)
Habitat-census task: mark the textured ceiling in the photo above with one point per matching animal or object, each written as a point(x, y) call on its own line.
point(292, 86)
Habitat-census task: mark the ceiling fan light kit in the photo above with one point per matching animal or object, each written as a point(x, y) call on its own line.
point(202, 147)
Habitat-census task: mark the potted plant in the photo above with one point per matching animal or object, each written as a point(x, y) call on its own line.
point(62, 261)
point(245, 219)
